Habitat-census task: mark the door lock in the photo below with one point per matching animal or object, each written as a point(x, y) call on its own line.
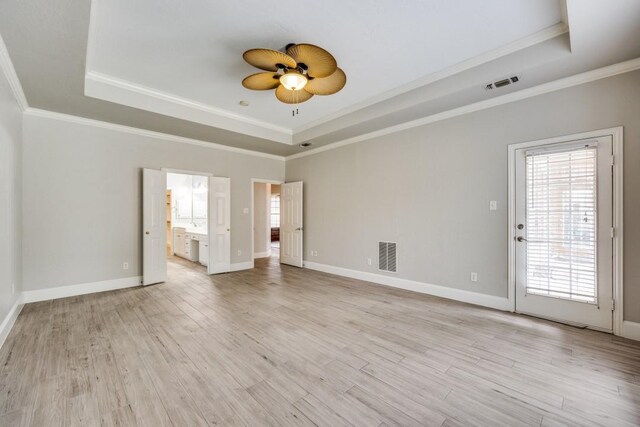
point(521, 239)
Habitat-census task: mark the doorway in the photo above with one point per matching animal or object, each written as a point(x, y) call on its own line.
point(266, 218)
point(563, 230)
point(279, 206)
point(188, 215)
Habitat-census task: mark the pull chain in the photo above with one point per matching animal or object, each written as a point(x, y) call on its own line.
point(295, 101)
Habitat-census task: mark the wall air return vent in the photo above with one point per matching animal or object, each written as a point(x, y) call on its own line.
point(502, 83)
point(387, 256)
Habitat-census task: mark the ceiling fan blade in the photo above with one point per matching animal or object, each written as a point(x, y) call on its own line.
point(319, 62)
point(266, 59)
point(261, 81)
point(292, 96)
point(327, 85)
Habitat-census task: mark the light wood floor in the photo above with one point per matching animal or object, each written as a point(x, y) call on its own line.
point(284, 346)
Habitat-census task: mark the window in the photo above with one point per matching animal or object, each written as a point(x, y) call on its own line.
point(275, 211)
point(561, 220)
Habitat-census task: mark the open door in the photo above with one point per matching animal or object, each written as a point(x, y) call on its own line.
point(219, 225)
point(154, 218)
point(291, 223)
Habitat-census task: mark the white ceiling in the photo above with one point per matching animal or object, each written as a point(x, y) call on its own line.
point(148, 78)
point(190, 53)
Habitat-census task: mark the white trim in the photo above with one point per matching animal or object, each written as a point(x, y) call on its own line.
point(616, 134)
point(12, 78)
point(35, 112)
point(238, 266)
point(10, 320)
point(81, 289)
point(185, 172)
point(618, 222)
point(631, 330)
point(578, 79)
point(499, 303)
point(92, 36)
point(108, 88)
point(523, 43)
point(262, 254)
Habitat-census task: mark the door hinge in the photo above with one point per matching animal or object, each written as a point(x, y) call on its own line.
point(613, 305)
point(613, 232)
point(613, 160)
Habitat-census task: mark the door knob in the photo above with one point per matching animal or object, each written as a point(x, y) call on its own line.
point(146, 232)
point(521, 239)
point(299, 229)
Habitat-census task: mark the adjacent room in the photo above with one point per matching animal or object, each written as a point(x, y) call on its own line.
point(417, 213)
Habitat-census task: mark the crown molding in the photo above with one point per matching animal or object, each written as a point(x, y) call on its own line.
point(35, 112)
point(108, 88)
point(567, 82)
point(10, 73)
point(520, 44)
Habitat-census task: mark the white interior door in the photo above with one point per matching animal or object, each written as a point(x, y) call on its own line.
point(154, 226)
point(564, 242)
point(219, 225)
point(291, 223)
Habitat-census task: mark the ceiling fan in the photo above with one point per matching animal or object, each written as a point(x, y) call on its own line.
point(303, 71)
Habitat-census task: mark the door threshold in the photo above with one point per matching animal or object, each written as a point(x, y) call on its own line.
point(566, 322)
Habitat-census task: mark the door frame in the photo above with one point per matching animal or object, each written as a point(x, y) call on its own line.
point(616, 134)
point(260, 181)
point(197, 173)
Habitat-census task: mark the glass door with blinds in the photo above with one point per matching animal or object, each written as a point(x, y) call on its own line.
point(563, 234)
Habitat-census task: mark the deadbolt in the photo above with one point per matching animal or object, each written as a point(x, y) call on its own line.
point(520, 226)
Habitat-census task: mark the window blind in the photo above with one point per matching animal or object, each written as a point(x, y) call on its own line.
point(561, 224)
point(275, 211)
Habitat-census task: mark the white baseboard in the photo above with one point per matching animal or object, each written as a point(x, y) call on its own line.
point(500, 303)
point(262, 254)
point(631, 330)
point(10, 320)
point(242, 266)
point(81, 289)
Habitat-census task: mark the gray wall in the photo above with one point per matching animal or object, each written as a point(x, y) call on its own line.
point(82, 198)
point(10, 198)
point(429, 188)
point(261, 232)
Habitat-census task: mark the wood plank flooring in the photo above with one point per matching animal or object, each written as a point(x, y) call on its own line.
point(285, 346)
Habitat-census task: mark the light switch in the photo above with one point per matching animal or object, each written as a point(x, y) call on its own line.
point(245, 210)
point(493, 205)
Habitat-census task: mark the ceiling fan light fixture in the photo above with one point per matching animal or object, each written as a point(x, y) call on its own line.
point(293, 80)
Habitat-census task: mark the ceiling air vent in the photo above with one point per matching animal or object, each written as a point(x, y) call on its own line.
point(387, 256)
point(502, 83)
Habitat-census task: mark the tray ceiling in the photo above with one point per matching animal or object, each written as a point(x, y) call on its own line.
point(191, 53)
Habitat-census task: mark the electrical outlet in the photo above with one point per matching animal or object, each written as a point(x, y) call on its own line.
point(311, 253)
point(239, 252)
point(245, 210)
point(369, 261)
point(315, 253)
point(474, 276)
point(13, 289)
point(125, 265)
point(493, 205)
